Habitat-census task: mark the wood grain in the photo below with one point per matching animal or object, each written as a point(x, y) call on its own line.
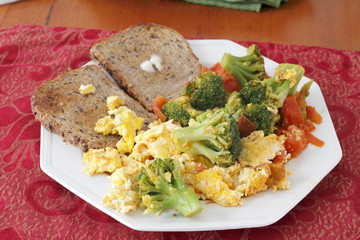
point(324, 23)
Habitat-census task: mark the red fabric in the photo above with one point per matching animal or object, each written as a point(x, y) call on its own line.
point(33, 206)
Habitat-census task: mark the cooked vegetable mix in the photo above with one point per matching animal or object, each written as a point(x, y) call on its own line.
point(227, 137)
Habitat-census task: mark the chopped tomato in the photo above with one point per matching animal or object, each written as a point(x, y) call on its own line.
point(295, 141)
point(291, 112)
point(279, 158)
point(230, 82)
point(231, 85)
point(296, 128)
point(245, 126)
point(158, 102)
point(313, 115)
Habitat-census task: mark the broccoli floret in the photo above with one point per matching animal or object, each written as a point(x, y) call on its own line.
point(263, 116)
point(206, 92)
point(180, 110)
point(177, 109)
point(245, 68)
point(284, 82)
point(216, 137)
point(161, 187)
point(274, 90)
point(189, 88)
point(255, 92)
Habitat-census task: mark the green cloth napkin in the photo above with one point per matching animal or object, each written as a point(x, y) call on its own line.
point(248, 5)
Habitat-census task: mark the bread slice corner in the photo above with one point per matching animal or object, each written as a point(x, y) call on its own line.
point(123, 53)
point(63, 110)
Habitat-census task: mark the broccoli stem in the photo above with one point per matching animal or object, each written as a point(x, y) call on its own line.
point(186, 203)
point(208, 152)
point(239, 71)
point(304, 92)
point(199, 132)
point(281, 91)
point(245, 68)
point(180, 198)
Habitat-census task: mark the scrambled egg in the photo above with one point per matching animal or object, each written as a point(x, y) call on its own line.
point(122, 195)
point(87, 89)
point(278, 177)
point(124, 122)
point(101, 160)
point(257, 149)
point(253, 173)
point(113, 102)
point(156, 142)
point(213, 187)
point(253, 180)
point(106, 126)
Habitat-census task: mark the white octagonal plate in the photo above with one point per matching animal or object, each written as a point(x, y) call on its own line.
point(63, 162)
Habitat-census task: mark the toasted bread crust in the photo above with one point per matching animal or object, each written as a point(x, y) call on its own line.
point(61, 109)
point(122, 54)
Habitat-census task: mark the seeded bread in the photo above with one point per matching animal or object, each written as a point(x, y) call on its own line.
point(62, 109)
point(123, 53)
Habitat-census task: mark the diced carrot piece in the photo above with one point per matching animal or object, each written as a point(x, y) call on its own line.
point(309, 126)
point(314, 140)
point(204, 69)
point(158, 102)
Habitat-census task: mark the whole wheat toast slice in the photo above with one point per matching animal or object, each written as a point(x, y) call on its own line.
point(63, 110)
point(123, 53)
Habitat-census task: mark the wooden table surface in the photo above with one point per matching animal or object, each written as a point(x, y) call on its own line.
point(325, 23)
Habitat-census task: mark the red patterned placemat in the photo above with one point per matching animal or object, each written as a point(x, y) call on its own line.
point(33, 206)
